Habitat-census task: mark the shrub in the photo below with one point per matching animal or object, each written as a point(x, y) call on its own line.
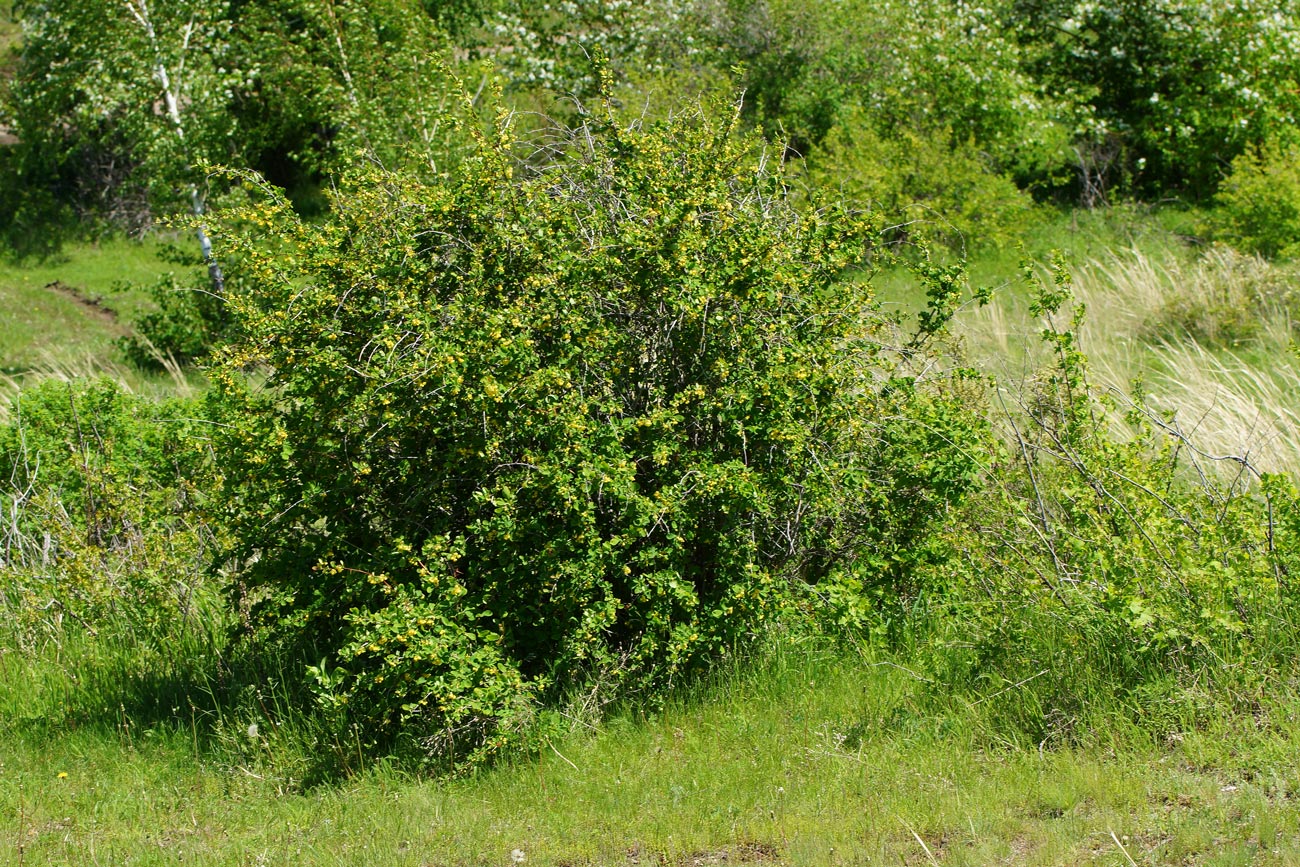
point(605, 420)
point(930, 191)
point(1260, 202)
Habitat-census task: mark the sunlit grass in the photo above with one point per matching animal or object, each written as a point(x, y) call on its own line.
point(40, 324)
point(814, 757)
point(1209, 337)
point(60, 317)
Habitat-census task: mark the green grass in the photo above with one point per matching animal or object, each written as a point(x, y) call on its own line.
point(1078, 235)
point(61, 316)
point(41, 325)
point(816, 758)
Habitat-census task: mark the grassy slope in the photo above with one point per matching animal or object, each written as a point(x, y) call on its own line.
point(40, 325)
point(819, 760)
point(1141, 283)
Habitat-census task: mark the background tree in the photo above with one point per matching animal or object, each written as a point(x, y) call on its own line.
point(1178, 87)
point(117, 102)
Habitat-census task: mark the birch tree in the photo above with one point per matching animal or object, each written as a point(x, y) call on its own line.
point(118, 103)
point(172, 92)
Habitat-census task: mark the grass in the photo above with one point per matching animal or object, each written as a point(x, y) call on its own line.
point(60, 317)
point(67, 308)
point(819, 757)
point(1209, 336)
point(1078, 235)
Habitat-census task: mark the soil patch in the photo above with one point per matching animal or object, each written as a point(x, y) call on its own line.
point(742, 854)
point(93, 305)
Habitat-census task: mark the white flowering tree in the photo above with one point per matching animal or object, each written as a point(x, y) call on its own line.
point(1181, 86)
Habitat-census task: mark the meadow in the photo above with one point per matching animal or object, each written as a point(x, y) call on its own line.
point(801, 751)
point(805, 756)
point(762, 432)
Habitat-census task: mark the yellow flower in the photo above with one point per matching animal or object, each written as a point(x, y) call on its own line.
point(63, 775)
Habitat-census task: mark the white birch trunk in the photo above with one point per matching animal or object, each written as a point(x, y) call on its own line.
point(139, 10)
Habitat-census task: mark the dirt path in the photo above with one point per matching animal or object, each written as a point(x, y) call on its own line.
point(94, 307)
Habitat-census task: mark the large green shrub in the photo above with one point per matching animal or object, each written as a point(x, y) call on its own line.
point(604, 420)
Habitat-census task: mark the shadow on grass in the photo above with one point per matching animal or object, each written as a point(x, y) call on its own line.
point(239, 708)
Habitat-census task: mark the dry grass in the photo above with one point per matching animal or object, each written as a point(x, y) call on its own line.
point(1210, 338)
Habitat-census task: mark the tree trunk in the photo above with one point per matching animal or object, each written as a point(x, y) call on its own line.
point(139, 10)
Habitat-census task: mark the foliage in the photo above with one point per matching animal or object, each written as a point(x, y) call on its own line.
point(603, 420)
point(1179, 86)
point(100, 498)
point(551, 45)
point(115, 103)
point(1260, 202)
point(930, 68)
point(528, 413)
point(333, 78)
point(931, 192)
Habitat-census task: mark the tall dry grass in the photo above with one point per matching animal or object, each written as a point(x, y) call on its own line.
point(1209, 337)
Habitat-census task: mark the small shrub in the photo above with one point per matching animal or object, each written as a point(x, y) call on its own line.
point(927, 189)
point(1226, 300)
point(1260, 202)
point(100, 497)
point(189, 321)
